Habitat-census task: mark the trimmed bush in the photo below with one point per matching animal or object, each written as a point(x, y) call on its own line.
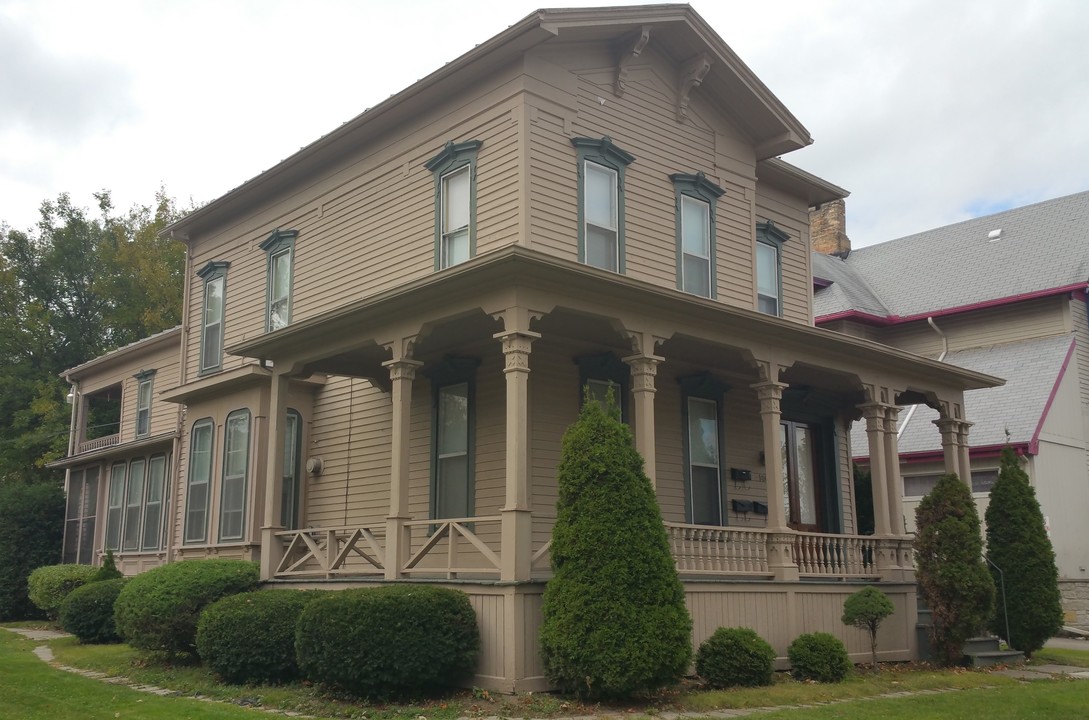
point(819, 656)
point(31, 530)
point(1017, 542)
point(615, 621)
point(735, 657)
point(48, 586)
point(87, 612)
point(250, 637)
point(109, 570)
point(158, 610)
point(865, 610)
point(953, 580)
point(395, 641)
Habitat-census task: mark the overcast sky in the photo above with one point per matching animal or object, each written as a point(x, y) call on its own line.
point(928, 111)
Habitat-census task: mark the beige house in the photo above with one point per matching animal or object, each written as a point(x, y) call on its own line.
point(1005, 295)
point(386, 335)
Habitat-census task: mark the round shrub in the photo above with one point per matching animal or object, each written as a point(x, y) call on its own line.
point(250, 637)
point(734, 657)
point(386, 642)
point(158, 610)
point(819, 656)
point(48, 586)
point(87, 612)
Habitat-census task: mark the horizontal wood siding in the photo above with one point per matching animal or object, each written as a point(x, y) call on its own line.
point(1080, 321)
point(846, 479)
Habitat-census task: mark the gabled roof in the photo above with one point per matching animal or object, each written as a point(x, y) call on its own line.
point(676, 30)
point(1041, 249)
point(141, 345)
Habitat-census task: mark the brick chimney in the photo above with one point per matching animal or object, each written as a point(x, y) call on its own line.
point(828, 229)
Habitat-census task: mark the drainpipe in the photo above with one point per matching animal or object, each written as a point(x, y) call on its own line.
point(73, 393)
point(945, 351)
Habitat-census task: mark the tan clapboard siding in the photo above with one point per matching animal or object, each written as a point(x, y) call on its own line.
point(553, 187)
point(743, 444)
point(554, 393)
point(164, 361)
point(855, 329)
point(669, 444)
point(765, 612)
point(980, 328)
point(734, 267)
point(164, 415)
point(846, 478)
point(491, 621)
point(792, 217)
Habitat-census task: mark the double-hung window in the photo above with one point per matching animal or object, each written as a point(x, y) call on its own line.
point(115, 506)
point(153, 503)
point(703, 454)
point(236, 456)
point(280, 246)
point(200, 475)
point(602, 375)
point(455, 202)
point(134, 498)
point(695, 212)
point(452, 438)
point(769, 268)
point(601, 168)
point(290, 490)
point(143, 403)
point(214, 275)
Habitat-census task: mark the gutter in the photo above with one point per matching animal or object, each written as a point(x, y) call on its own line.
point(941, 358)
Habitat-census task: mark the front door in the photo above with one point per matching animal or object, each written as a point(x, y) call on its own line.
point(799, 445)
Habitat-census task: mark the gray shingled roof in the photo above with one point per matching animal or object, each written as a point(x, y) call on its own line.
point(1030, 368)
point(1041, 247)
point(847, 291)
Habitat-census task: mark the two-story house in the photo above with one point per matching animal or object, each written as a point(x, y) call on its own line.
point(1005, 295)
point(386, 334)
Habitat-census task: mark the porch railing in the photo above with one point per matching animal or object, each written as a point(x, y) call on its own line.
point(332, 552)
point(454, 546)
point(98, 443)
point(713, 550)
point(823, 555)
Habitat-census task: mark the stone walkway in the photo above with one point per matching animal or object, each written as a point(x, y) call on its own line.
point(1037, 672)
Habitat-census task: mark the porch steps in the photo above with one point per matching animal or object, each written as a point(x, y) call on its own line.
point(978, 651)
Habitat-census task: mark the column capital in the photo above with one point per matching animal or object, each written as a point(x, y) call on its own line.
point(644, 368)
point(402, 369)
point(770, 392)
point(517, 345)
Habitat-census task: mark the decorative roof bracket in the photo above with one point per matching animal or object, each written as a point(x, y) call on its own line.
point(692, 74)
point(627, 56)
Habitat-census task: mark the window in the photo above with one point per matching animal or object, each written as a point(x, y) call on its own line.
point(289, 509)
point(769, 268)
point(214, 275)
point(706, 496)
point(452, 438)
point(799, 446)
point(134, 498)
point(236, 457)
point(79, 524)
point(920, 485)
point(455, 202)
point(134, 504)
point(695, 208)
point(115, 506)
point(143, 403)
point(280, 246)
point(601, 373)
point(153, 503)
point(200, 473)
point(601, 166)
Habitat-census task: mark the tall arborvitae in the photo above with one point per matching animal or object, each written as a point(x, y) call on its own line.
point(952, 576)
point(615, 621)
point(1017, 543)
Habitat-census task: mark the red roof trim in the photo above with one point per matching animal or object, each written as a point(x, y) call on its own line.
point(1034, 444)
point(980, 452)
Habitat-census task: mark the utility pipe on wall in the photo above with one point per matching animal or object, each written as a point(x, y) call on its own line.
point(945, 351)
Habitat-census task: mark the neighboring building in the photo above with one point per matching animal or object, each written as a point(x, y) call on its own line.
point(1004, 295)
point(386, 334)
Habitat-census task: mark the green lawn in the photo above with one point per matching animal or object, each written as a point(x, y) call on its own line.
point(1061, 656)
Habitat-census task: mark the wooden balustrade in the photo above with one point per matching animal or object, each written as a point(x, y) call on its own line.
point(98, 443)
point(332, 552)
point(714, 550)
point(824, 555)
point(450, 534)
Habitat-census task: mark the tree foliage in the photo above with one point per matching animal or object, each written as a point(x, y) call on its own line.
point(615, 621)
point(31, 528)
point(865, 610)
point(949, 560)
point(1017, 543)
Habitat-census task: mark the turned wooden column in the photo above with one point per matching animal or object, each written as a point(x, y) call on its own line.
point(874, 413)
point(644, 368)
point(950, 431)
point(780, 539)
point(271, 547)
point(401, 374)
point(892, 462)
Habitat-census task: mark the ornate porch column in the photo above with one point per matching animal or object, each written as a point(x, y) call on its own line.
point(950, 430)
point(874, 413)
point(517, 518)
point(780, 540)
point(402, 372)
point(271, 547)
point(964, 461)
point(895, 482)
point(643, 370)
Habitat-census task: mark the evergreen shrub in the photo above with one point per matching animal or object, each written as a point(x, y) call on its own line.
point(87, 612)
point(109, 570)
point(158, 610)
point(250, 637)
point(953, 580)
point(735, 657)
point(48, 586)
point(31, 531)
point(865, 610)
point(819, 656)
point(388, 642)
point(1017, 543)
point(615, 621)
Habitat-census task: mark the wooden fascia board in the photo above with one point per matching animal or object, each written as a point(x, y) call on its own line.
point(161, 441)
point(783, 175)
point(216, 383)
point(123, 354)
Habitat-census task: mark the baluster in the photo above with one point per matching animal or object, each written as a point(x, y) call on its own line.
point(451, 550)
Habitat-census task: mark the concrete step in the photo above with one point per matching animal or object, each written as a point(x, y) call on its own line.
point(973, 646)
point(994, 657)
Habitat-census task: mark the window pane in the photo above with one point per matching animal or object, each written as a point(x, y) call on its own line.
point(695, 227)
point(70, 552)
point(90, 493)
point(196, 518)
point(200, 470)
point(600, 201)
point(706, 506)
point(453, 419)
point(115, 502)
point(289, 508)
point(453, 487)
point(983, 480)
point(697, 275)
point(75, 496)
point(279, 290)
point(86, 541)
point(213, 301)
point(211, 354)
point(236, 451)
point(213, 323)
point(134, 497)
point(235, 461)
point(784, 458)
point(768, 305)
point(807, 496)
point(703, 432)
point(767, 270)
point(156, 476)
point(601, 248)
point(455, 248)
point(599, 393)
point(455, 200)
point(919, 485)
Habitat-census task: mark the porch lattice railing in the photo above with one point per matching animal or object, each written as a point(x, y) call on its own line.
point(332, 552)
point(713, 550)
point(99, 443)
point(454, 546)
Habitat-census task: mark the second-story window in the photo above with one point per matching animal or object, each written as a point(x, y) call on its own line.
point(280, 247)
point(214, 275)
point(769, 268)
point(143, 403)
point(455, 202)
point(601, 167)
point(236, 456)
point(695, 211)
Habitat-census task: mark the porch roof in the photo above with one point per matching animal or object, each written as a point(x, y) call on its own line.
point(565, 281)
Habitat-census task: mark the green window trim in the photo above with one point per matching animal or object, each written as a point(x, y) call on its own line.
point(699, 188)
point(605, 368)
point(279, 248)
point(448, 377)
point(450, 160)
point(115, 505)
point(770, 236)
point(234, 478)
point(155, 497)
point(214, 275)
point(144, 381)
point(703, 388)
point(194, 530)
point(602, 152)
point(291, 485)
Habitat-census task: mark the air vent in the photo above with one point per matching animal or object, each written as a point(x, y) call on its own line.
point(994, 235)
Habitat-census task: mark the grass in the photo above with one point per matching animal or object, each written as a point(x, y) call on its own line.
point(1060, 656)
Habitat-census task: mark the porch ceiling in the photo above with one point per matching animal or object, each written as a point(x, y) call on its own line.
point(520, 277)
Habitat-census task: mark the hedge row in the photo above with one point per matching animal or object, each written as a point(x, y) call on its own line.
point(738, 657)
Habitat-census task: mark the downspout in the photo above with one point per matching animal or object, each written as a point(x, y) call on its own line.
point(945, 351)
point(74, 393)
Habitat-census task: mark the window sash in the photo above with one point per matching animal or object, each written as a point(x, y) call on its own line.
point(236, 445)
point(452, 451)
point(279, 291)
point(456, 211)
point(212, 332)
point(767, 278)
point(695, 246)
point(200, 472)
point(115, 502)
point(703, 462)
point(289, 508)
point(153, 503)
point(143, 407)
point(134, 497)
point(600, 213)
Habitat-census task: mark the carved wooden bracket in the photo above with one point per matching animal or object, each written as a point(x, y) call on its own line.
point(627, 55)
point(692, 74)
